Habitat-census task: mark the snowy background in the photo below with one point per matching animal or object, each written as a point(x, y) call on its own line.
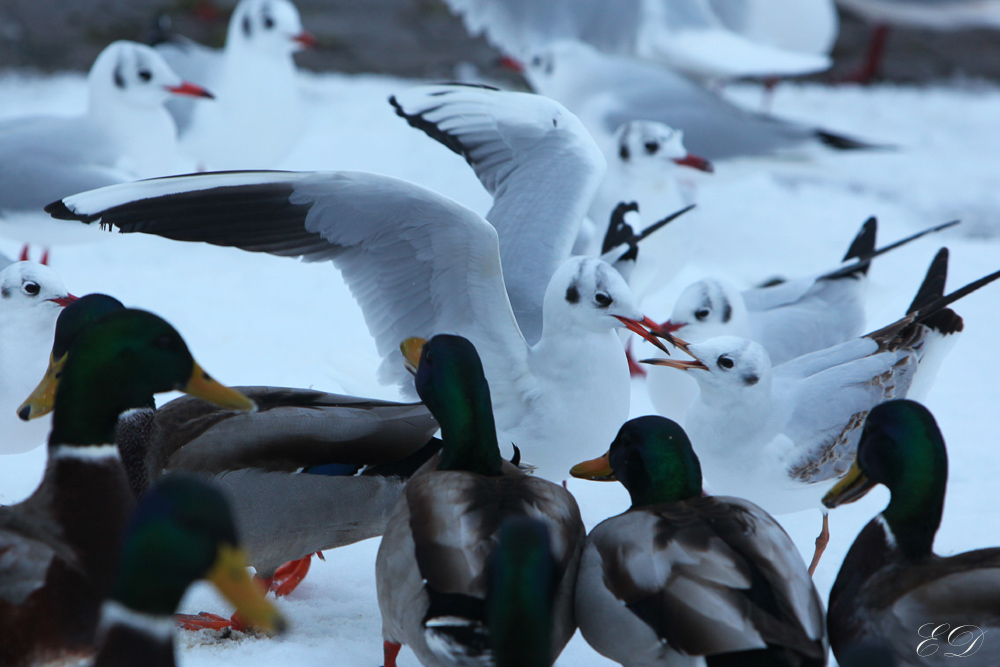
point(255, 319)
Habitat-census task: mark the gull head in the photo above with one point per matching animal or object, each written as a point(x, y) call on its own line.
point(706, 309)
point(268, 26)
point(724, 364)
point(645, 144)
point(28, 286)
point(587, 293)
point(127, 73)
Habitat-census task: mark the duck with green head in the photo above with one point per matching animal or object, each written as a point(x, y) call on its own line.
point(892, 587)
point(283, 516)
point(60, 545)
point(681, 578)
point(432, 569)
point(181, 531)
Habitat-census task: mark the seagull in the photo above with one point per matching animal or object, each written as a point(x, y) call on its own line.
point(781, 436)
point(124, 134)
point(31, 297)
point(608, 90)
point(806, 26)
point(686, 35)
point(258, 116)
point(789, 319)
point(419, 264)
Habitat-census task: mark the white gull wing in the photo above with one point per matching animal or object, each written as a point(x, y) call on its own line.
point(536, 159)
point(828, 395)
point(685, 34)
point(192, 62)
point(418, 263)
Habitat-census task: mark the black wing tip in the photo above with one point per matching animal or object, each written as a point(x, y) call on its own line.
point(932, 288)
point(844, 143)
point(417, 121)
point(60, 211)
point(619, 231)
point(863, 246)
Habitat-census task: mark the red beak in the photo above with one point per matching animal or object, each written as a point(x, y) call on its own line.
point(512, 64)
point(637, 327)
point(695, 162)
point(668, 327)
point(188, 88)
point(64, 300)
point(307, 40)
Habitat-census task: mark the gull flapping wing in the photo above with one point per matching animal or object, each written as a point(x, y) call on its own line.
point(418, 263)
point(536, 159)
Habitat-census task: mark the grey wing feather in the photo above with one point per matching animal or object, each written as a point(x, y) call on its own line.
point(285, 516)
point(291, 429)
point(29, 541)
point(536, 159)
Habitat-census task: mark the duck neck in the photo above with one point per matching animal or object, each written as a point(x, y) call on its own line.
point(469, 436)
point(913, 519)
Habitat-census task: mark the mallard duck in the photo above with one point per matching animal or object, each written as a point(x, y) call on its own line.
point(31, 297)
point(58, 547)
point(892, 588)
point(181, 531)
point(282, 516)
point(680, 576)
point(432, 564)
point(523, 581)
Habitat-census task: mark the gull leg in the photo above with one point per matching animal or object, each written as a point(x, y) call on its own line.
point(821, 542)
point(390, 650)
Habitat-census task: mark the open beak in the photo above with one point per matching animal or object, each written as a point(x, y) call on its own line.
point(695, 162)
point(201, 385)
point(412, 348)
point(64, 300)
point(683, 365)
point(596, 470)
point(511, 64)
point(188, 88)
point(640, 328)
point(229, 574)
point(305, 40)
point(851, 487)
point(43, 398)
point(669, 327)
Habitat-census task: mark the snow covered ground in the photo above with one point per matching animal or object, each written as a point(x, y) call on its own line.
point(255, 319)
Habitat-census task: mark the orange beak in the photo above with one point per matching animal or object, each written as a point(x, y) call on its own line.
point(678, 363)
point(188, 88)
point(640, 329)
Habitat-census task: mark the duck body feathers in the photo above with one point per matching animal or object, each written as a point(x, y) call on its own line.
point(432, 565)
point(881, 595)
point(697, 582)
point(58, 549)
point(256, 457)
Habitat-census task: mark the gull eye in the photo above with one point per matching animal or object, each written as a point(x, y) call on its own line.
point(651, 147)
point(624, 153)
point(31, 288)
point(268, 22)
point(603, 299)
point(145, 74)
point(702, 314)
point(725, 362)
point(536, 61)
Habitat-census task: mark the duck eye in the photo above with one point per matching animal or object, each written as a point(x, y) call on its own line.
point(164, 342)
point(726, 362)
point(145, 74)
point(702, 314)
point(31, 288)
point(268, 22)
point(603, 299)
point(651, 147)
